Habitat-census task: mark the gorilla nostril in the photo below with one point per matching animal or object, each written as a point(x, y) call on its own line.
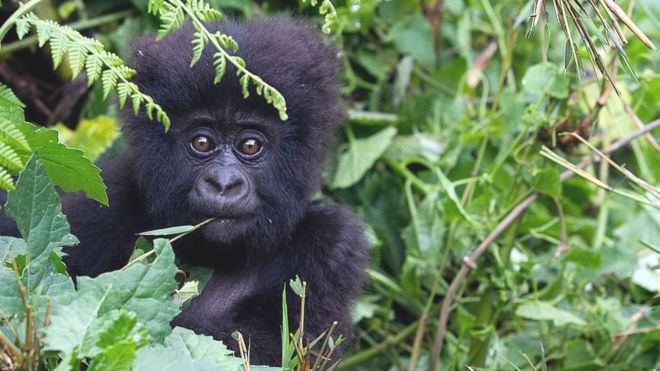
point(225, 183)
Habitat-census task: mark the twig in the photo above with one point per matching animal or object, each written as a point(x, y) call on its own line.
point(621, 337)
point(643, 330)
point(512, 216)
point(434, 15)
point(417, 345)
point(635, 119)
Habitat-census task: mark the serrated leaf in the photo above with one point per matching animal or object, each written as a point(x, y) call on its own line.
point(185, 350)
point(109, 80)
point(8, 94)
point(36, 209)
point(94, 67)
point(22, 27)
point(143, 289)
point(123, 89)
point(360, 157)
point(68, 168)
point(77, 58)
point(80, 332)
point(245, 85)
point(9, 158)
point(199, 43)
point(10, 134)
point(220, 65)
point(58, 46)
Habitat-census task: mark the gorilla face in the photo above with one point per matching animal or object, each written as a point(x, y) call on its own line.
point(228, 157)
point(226, 162)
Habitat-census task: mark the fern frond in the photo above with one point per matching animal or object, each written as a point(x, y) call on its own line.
point(77, 59)
point(203, 11)
point(6, 182)
point(89, 54)
point(199, 43)
point(13, 137)
point(58, 45)
point(220, 64)
point(172, 16)
point(9, 159)
point(8, 94)
point(199, 13)
point(328, 9)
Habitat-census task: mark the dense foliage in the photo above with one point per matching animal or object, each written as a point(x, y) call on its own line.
point(464, 119)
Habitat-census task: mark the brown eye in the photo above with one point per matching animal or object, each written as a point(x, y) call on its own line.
point(250, 146)
point(201, 143)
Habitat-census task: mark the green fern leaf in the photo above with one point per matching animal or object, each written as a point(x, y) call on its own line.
point(238, 61)
point(123, 90)
point(109, 80)
point(43, 33)
point(153, 6)
point(22, 27)
point(172, 17)
point(136, 99)
point(9, 159)
point(11, 135)
point(226, 41)
point(125, 72)
point(199, 43)
point(94, 67)
point(204, 11)
point(245, 85)
point(6, 181)
point(58, 45)
point(7, 93)
point(220, 65)
point(77, 58)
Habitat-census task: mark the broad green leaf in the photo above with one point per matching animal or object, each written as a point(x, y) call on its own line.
point(169, 231)
point(185, 350)
point(586, 258)
point(68, 168)
point(36, 208)
point(143, 289)
point(547, 181)
point(80, 332)
point(9, 248)
point(412, 36)
point(539, 311)
point(360, 157)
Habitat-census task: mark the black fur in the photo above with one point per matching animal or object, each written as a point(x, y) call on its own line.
point(289, 235)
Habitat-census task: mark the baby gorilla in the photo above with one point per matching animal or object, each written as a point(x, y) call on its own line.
point(232, 159)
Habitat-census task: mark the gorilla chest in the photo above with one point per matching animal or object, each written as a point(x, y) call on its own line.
point(222, 296)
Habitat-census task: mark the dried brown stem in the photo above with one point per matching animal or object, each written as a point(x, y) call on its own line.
point(417, 345)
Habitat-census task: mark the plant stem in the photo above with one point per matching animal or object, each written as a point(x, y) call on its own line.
point(21, 11)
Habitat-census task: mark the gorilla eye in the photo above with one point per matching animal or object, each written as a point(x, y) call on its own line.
point(250, 146)
point(202, 143)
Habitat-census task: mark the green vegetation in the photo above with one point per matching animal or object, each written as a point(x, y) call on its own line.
point(504, 155)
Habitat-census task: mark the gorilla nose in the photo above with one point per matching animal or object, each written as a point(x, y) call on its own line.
point(230, 184)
